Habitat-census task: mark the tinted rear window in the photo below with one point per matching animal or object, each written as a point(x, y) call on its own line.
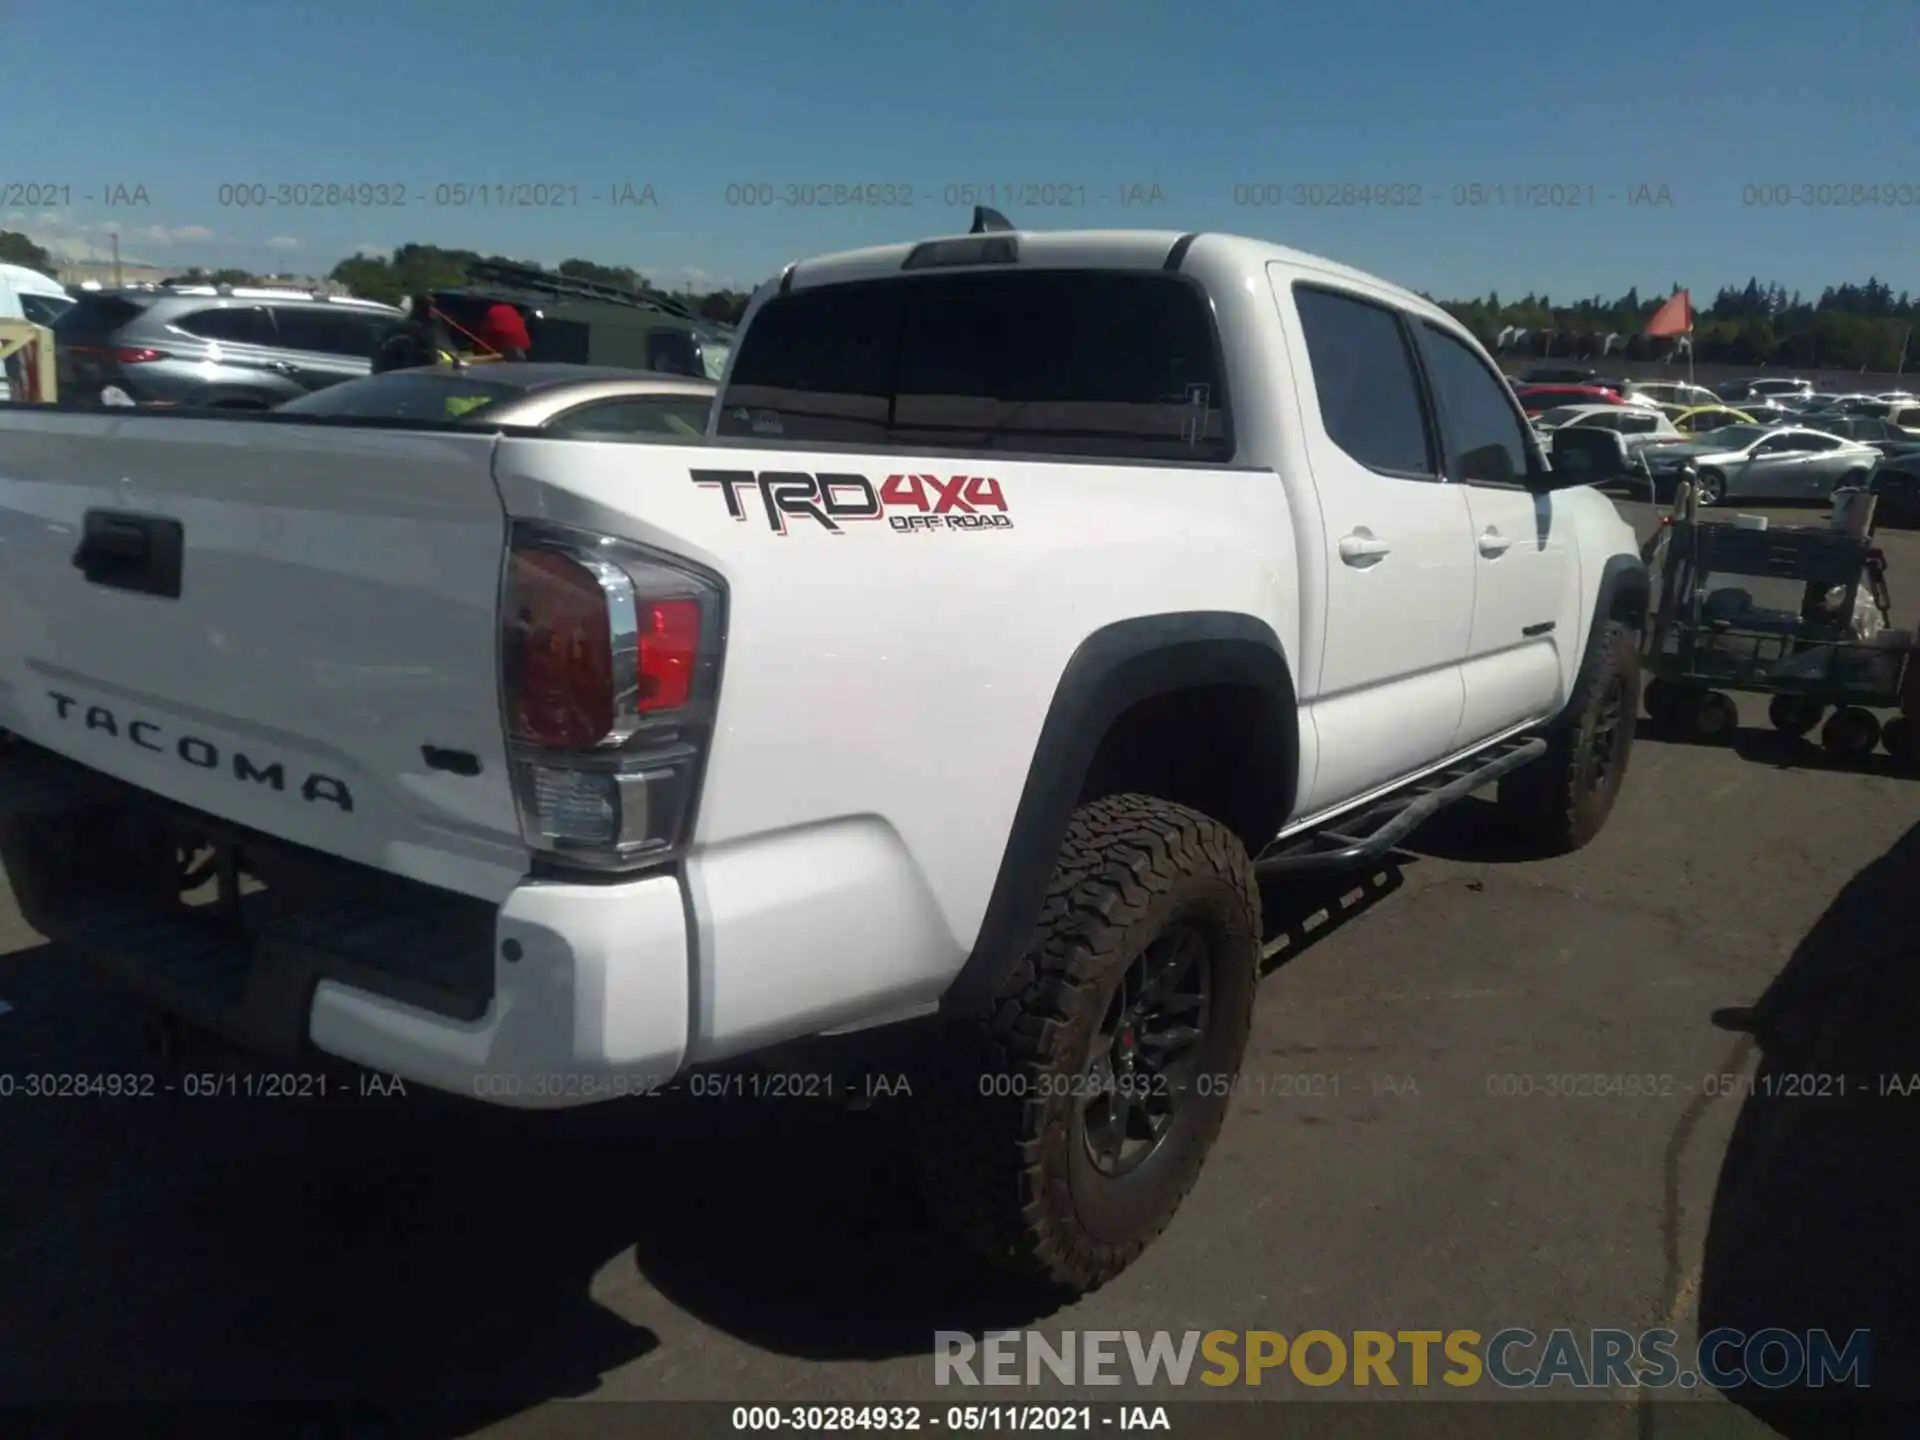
point(96, 315)
point(1091, 364)
point(404, 396)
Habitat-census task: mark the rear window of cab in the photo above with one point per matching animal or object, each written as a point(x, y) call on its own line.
point(1096, 364)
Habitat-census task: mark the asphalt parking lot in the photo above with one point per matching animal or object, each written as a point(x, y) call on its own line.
point(384, 1247)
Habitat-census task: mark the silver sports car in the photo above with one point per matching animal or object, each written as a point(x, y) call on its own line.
point(589, 401)
point(1764, 462)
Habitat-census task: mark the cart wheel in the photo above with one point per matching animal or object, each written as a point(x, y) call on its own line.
point(1710, 716)
point(1901, 737)
point(1795, 715)
point(1851, 733)
point(1661, 699)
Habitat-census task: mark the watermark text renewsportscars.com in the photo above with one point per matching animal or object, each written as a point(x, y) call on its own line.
point(1513, 1358)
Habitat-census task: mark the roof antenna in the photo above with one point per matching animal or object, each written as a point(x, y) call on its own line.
point(985, 220)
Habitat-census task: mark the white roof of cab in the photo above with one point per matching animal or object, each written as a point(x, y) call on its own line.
point(1110, 250)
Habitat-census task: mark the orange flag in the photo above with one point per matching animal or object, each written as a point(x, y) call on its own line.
point(1673, 318)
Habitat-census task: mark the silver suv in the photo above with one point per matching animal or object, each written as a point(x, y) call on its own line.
point(221, 347)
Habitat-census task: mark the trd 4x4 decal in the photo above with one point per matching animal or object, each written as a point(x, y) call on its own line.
point(907, 502)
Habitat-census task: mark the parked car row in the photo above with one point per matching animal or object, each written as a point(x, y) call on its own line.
point(225, 347)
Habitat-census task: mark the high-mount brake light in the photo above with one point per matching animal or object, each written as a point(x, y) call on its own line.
point(609, 667)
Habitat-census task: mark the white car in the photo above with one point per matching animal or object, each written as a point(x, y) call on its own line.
point(1637, 425)
point(1673, 392)
point(1773, 387)
point(1031, 599)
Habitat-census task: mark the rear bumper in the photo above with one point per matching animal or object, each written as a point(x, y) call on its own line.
point(563, 995)
point(594, 1007)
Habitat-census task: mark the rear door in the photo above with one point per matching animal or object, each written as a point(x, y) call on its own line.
point(333, 611)
point(324, 347)
point(243, 345)
point(1523, 615)
point(1399, 553)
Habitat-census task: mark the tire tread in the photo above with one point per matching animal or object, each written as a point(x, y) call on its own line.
point(985, 1158)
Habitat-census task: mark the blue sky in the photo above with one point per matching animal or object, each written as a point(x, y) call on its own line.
point(1093, 97)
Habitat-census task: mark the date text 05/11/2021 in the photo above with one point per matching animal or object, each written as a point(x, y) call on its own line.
point(199, 1085)
point(902, 195)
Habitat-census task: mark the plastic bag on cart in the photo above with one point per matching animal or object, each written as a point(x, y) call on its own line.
point(1867, 619)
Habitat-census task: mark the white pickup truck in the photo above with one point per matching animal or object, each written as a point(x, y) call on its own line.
point(1033, 599)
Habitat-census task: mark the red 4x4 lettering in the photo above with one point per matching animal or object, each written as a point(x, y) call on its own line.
point(961, 493)
point(950, 496)
point(904, 490)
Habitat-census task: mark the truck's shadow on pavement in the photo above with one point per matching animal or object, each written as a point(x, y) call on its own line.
point(424, 1250)
point(1816, 1220)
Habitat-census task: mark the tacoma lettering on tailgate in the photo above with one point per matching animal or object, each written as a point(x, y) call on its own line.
point(908, 503)
point(199, 753)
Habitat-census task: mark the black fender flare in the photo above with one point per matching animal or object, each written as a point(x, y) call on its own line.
point(1112, 670)
point(1623, 579)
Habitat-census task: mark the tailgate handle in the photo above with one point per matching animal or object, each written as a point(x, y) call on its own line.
point(141, 553)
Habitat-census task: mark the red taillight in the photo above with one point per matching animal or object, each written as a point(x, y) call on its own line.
point(609, 667)
point(560, 652)
point(137, 354)
point(669, 645)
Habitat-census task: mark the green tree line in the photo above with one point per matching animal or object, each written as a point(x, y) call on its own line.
point(1846, 327)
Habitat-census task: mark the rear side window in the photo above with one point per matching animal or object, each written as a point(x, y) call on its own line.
point(1486, 442)
point(96, 315)
point(42, 309)
point(1091, 364)
point(237, 324)
point(1364, 375)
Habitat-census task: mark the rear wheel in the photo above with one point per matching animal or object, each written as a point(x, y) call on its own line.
point(1852, 733)
point(1063, 1130)
point(1662, 700)
point(1709, 716)
point(1710, 488)
point(1795, 715)
point(1562, 800)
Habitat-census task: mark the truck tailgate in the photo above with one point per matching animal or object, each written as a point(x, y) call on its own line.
point(324, 667)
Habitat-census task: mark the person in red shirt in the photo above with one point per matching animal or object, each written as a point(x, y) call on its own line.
point(503, 331)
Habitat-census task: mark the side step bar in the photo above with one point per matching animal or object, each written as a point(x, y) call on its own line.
point(1363, 835)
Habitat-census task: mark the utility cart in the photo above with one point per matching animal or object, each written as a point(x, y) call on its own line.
point(1823, 669)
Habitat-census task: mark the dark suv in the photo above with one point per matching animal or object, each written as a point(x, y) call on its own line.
point(201, 346)
point(583, 322)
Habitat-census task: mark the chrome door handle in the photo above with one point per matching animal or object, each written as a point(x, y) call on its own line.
point(1362, 546)
point(1493, 543)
